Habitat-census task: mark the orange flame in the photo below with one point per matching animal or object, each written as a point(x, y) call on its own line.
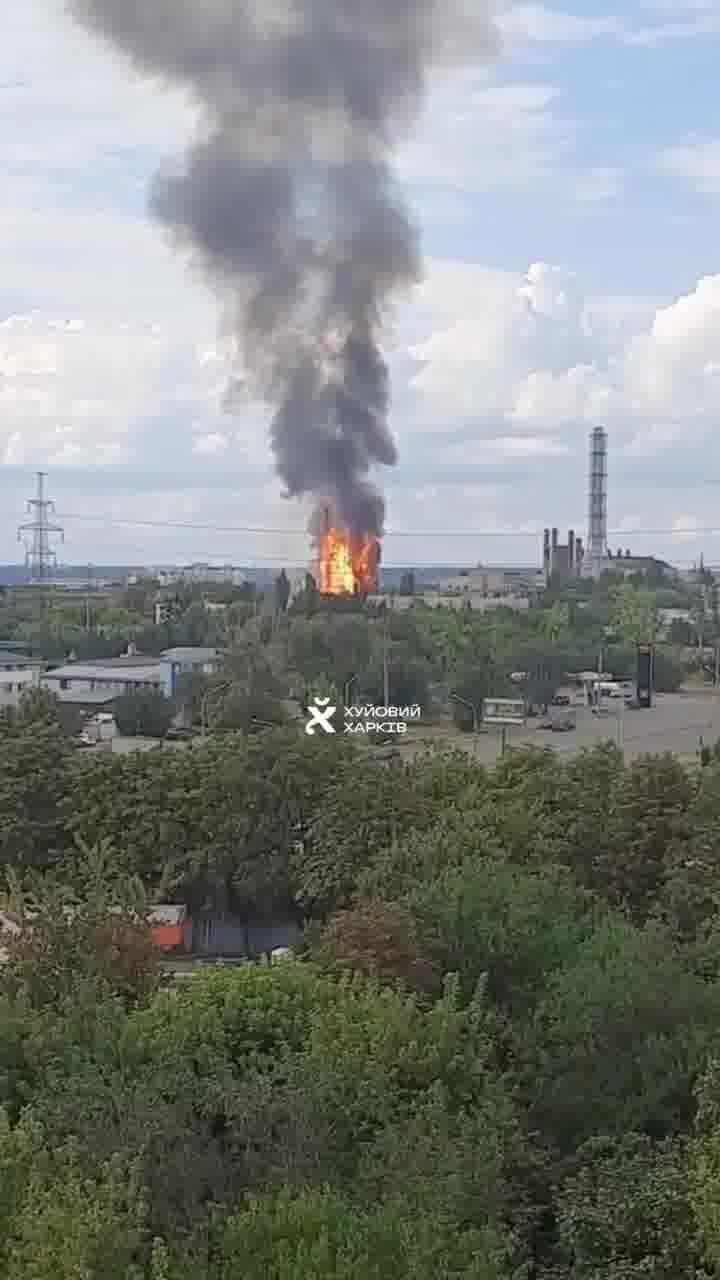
point(347, 565)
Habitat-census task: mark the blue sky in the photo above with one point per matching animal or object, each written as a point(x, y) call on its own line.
point(568, 196)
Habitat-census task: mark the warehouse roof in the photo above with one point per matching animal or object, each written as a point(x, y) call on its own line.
point(114, 669)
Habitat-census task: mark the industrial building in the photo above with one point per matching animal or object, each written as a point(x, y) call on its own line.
point(561, 561)
point(565, 561)
point(98, 682)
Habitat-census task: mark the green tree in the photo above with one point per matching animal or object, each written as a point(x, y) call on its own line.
point(93, 929)
point(34, 770)
point(282, 591)
point(705, 1166)
point(625, 1214)
point(513, 926)
point(619, 1038)
point(63, 1225)
point(146, 711)
point(381, 940)
point(633, 613)
point(323, 1235)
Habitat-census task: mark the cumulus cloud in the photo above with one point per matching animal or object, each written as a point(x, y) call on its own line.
point(698, 161)
point(536, 22)
point(112, 375)
point(542, 356)
point(498, 381)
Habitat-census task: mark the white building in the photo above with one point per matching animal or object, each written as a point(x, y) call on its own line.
point(99, 681)
point(492, 580)
point(221, 574)
point(18, 674)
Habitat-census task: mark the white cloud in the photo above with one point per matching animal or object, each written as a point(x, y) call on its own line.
point(699, 162)
point(479, 136)
point(669, 20)
point(532, 352)
point(538, 24)
point(686, 527)
point(213, 442)
point(596, 186)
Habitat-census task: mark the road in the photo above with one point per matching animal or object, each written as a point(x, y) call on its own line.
point(675, 722)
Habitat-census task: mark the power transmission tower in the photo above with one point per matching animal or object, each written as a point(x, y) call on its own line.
point(36, 533)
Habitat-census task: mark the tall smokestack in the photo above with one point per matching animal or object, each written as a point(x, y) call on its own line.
point(288, 202)
point(597, 500)
point(571, 548)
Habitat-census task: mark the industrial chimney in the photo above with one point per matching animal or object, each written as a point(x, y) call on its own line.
point(597, 506)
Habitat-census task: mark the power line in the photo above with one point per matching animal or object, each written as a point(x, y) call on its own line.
point(391, 533)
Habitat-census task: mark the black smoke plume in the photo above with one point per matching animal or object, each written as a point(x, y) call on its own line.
point(287, 199)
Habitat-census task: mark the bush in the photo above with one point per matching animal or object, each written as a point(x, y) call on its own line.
point(147, 712)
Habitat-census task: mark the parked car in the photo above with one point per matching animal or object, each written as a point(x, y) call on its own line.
point(560, 700)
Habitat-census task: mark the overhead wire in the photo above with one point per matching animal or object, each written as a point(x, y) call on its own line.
point(705, 531)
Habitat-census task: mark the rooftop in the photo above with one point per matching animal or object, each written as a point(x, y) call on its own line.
point(127, 660)
point(190, 653)
point(10, 659)
point(116, 669)
point(165, 913)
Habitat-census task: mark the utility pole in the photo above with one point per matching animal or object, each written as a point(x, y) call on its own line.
point(386, 672)
point(87, 599)
point(36, 533)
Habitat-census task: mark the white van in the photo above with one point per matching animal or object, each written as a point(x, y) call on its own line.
point(609, 689)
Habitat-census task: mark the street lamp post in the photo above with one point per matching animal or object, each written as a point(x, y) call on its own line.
point(346, 690)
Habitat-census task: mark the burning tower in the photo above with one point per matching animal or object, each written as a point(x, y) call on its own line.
point(347, 563)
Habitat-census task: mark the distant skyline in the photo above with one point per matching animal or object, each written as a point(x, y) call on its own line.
point(568, 199)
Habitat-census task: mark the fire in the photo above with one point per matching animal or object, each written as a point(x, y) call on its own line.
point(347, 565)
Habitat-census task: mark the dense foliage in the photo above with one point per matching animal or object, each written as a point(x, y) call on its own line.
point(496, 1054)
point(277, 647)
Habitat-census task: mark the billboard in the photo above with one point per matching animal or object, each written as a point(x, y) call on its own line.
point(503, 711)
